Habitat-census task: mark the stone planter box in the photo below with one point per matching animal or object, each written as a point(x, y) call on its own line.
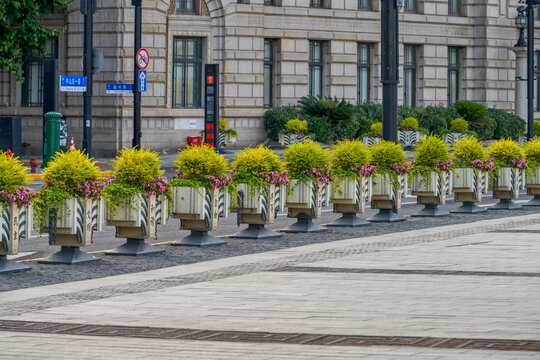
point(259, 205)
point(408, 138)
point(305, 198)
point(506, 184)
point(453, 137)
point(288, 139)
point(136, 219)
point(197, 208)
point(75, 222)
point(467, 184)
point(384, 196)
point(230, 139)
point(13, 220)
point(349, 195)
point(369, 140)
point(430, 190)
point(533, 183)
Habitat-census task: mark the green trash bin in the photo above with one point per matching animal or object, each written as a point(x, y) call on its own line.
point(52, 136)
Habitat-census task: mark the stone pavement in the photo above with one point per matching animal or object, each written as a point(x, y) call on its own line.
point(466, 291)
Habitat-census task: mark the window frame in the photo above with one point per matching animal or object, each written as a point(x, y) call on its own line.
point(410, 6)
point(182, 9)
point(268, 63)
point(365, 5)
point(453, 68)
point(363, 64)
point(314, 64)
point(26, 88)
point(317, 4)
point(454, 7)
point(197, 61)
point(412, 69)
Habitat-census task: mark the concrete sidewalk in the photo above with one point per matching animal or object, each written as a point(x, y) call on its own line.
point(467, 291)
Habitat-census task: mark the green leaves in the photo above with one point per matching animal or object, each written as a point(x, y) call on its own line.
point(13, 174)
point(429, 150)
point(350, 154)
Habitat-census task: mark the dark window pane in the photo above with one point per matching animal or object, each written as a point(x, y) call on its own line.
point(363, 71)
point(187, 77)
point(268, 72)
point(409, 76)
point(315, 68)
point(32, 88)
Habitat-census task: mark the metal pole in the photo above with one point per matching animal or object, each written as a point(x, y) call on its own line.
point(87, 70)
point(530, 70)
point(136, 93)
point(390, 70)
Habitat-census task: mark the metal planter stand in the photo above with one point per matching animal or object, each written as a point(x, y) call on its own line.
point(305, 204)
point(506, 188)
point(135, 247)
point(506, 204)
point(535, 201)
point(469, 207)
point(304, 225)
point(69, 255)
point(386, 216)
point(431, 210)
point(349, 220)
point(199, 238)
point(9, 266)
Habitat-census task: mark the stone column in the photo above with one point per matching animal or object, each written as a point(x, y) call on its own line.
point(521, 83)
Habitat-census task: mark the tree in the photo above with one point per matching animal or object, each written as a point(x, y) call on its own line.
point(22, 36)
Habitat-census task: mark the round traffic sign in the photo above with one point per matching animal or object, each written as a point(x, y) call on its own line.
point(142, 58)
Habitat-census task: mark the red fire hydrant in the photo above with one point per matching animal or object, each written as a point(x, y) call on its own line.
point(33, 165)
point(9, 153)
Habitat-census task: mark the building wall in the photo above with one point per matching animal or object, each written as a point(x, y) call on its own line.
point(233, 36)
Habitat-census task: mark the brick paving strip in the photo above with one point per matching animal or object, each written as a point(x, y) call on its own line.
point(337, 250)
point(402, 272)
point(267, 337)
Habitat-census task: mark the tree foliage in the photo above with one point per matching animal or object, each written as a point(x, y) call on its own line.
point(21, 32)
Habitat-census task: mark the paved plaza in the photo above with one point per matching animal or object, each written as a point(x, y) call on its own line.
point(465, 291)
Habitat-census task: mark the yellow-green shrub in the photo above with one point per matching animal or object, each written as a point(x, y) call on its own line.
point(139, 165)
point(376, 129)
point(296, 126)
point(504, 151)
point(429, 150)
point(223, 123)
point(349, 154)
point(257, 160)
point(468, 149)
point(409, 123)
point(532, 149)
point(305, 156)
point(459, 125)
point(196, 162)
point(70, 168)
point(13, 174)
point(387, 153)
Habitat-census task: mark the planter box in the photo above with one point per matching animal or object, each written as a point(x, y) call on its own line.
point(288, 139)
point(453, 137)
point(506, 184)
point(13, 220)
point(431, 190)
point(384, 196)
point(368, 140)
point(305, 199)
point(230, 139)
point(534, 179)
point(75, 222)
point(162, 210)
point(224, 203)
point(197, 208)
point(408, 138)
point(259, 206)
point(349, 195)
point(467, 184)
point(136, 219)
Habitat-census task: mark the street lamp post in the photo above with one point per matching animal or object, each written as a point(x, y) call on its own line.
point(520, 49)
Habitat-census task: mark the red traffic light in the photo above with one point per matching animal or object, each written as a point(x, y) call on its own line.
point(210, 79)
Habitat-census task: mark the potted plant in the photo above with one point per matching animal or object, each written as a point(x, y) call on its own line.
point(67, 206)
point(429, 175)
point(15, 198)
point(259, 177)
point(295, 131)
point(458, 130)
point(308, 166)
point(508, 161)
point(408, 133)
point(136, 197)
point(226, 136)
point(351, 180)
point(374, 135)
point(531, 150)
point(468, 173)
point(389, 184)
point(199, 183)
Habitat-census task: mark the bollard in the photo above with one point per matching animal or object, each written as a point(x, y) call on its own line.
point(52, 136)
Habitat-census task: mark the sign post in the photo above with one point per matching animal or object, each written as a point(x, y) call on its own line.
point(211, 105)
point(137, 134)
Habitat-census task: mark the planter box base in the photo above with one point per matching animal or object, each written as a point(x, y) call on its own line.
point(69, 255)
point(469, 207)
point(256, 231)
point(199, 238)
point(9, 266)
point(430, 210)
point(135, 247)
point(386, 216)
point(506, 204)
point(349, 220)
point(304, 225)
point(535, 201)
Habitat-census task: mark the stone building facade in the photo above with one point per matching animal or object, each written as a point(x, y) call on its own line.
point(271, 53)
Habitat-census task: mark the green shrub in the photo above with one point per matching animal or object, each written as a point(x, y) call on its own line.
point(137, 165)
point(349, 154)
point(406, 112)
point(459, 125)
point(507, 125)
point(305, 156)
point(321, 129)
point(531, 150)
point(296, 126)
point(435, 119)
point(276, 118)
point(71, 168)
point(430, 150)
point(197, 162)
point(13, 174)
point(387, 153)
point(468, 149)
point(342, 132)
point(376, 129)
point(504, 151)
point(337, 112)
point(536, 127)
point(223, 123)
point(470, 110)
point(409, 123)
point(366, 115)
point(257, 160)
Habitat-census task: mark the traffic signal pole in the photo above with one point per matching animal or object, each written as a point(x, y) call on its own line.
point(390, 71)
point(88, 9)
point(137, 134)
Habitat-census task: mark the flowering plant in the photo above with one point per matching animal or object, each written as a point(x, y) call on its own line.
point(308, 161)
point(389, 159)
point(23, 196)
point(431, 155)
point(13, 181)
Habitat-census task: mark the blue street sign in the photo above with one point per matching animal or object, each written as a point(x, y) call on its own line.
point(119, 88)
point(72, 83)
point(142, 80)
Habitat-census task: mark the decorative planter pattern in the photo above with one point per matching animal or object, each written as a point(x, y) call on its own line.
point(368, 140)
point(74, 223)
point(430, 190)
point(453, 137)
point(467, 184)
point(197, 208)
point(136, 219)
point(13, 220)
point(384, 196)
point(349, 195)
point(257, 206)
point(288, 139)
point(408, 138)
point(506, 184)
point(226, 139)
point(533, 183)
point(305, 199)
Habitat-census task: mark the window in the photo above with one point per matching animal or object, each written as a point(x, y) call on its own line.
point(316, 3)
point(315, 68)
point(32, 88)
point(187, 6)
point(187, 62)
point(453, 75)
point(409, 76)
point(454, 7)
point(363, 72)
point(269, 2)
point(536, 102)
point(268, 72)
point(410, 6)
point(536, 13)
point(364, 4)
